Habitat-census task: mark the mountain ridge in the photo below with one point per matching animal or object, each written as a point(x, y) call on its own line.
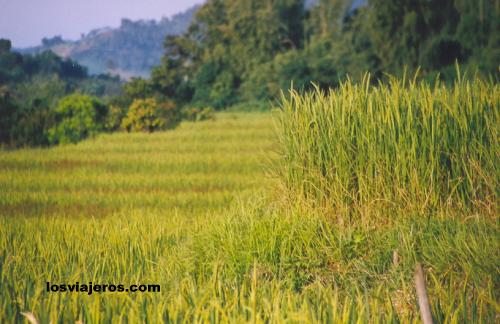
point(129, 50)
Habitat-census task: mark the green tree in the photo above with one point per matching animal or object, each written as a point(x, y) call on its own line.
point(34, 99)
point(226, 43)
point(77, 117)
point(138, 88)
point(244, 50)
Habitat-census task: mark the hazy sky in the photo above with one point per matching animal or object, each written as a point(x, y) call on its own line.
point(26, 22)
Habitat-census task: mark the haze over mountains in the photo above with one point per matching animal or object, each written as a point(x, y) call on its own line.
point(129, 50)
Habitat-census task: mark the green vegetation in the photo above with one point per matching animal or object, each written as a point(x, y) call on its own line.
point(239, 53)
point(403, 145)
point(315, 212)
point(192, 210)
point(143, 115)
point(31, 88)
point(238, 50)
point(77, 117)
point(45, 100)
point(198, 114)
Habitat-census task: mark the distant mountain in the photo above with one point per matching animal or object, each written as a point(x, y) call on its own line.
point(129, 50)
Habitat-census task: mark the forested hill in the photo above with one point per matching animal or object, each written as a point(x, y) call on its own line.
point(129, 50)
point(240, 51)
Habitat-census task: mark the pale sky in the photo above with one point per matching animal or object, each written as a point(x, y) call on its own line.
point(26, 22)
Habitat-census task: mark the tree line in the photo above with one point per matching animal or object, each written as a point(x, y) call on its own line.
point(244, 53)
point(249, 50)
point(46, 100)
point(31, 87)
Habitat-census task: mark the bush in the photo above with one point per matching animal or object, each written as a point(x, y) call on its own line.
point(77, 117)
point(32, 122)
point(115, 116)
point(149, 115)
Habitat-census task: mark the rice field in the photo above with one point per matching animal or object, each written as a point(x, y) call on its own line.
point(238, 220)
point(403, 145)
point(195, 167)
point(119, 208)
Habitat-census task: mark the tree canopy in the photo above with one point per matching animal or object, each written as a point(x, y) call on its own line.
point(238, 50)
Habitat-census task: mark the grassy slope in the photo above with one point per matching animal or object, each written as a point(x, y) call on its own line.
point(161, 208)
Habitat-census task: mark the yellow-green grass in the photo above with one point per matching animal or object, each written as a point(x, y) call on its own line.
point(194, 168)
point(405, 145)
point(192, 210)
point(119, 208)
point(402, 166)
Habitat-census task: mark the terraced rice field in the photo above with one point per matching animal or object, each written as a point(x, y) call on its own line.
point(119, 208)
point(196, 168)
point(200, 211)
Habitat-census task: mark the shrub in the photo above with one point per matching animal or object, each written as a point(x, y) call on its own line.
point(32, 122)
point(115, 116)
point(148, 115)
point(77, 117)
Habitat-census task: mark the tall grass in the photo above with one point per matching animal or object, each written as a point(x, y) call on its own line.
point(403, 143)
point(251, 263)
point(160, 208)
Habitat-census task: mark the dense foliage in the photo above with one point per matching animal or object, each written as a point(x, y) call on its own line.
point(46, 100)
point(15, 67)
point(239, 50)
point(76, 117)
point(148, 115)
point(32, 86)
point(244, 53)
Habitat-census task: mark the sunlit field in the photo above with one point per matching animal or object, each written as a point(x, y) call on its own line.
point(197, 167)
point(254, 217)
point(250, 161)
point(120, 208)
